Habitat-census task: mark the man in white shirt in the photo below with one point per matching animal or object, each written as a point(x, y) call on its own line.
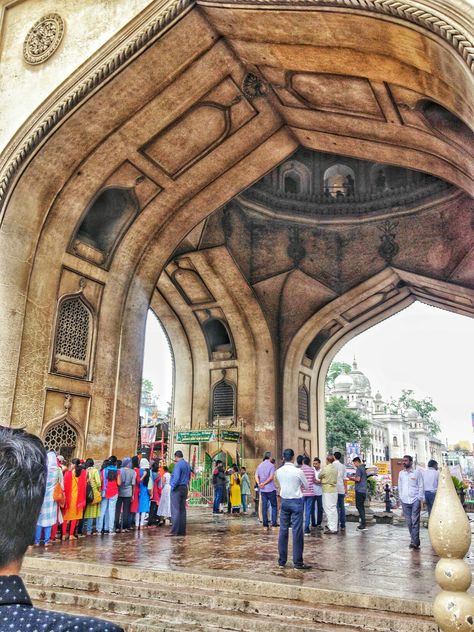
point(430, 484)
point(341, 490)
point(411, 494)
point(291, 480)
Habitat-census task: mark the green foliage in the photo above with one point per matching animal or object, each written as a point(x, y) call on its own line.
point(336, 369)
point(459, 485)
point(147, 386)
point(344, 425)
point(372, 486)
point(424, 407)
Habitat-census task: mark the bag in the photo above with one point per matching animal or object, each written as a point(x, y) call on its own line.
point(58, 495)
point(89, 494)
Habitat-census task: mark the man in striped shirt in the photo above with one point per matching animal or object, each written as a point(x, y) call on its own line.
point(308, 494)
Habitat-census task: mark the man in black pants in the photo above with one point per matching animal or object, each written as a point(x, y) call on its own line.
point(179, 492)
point(360, 479)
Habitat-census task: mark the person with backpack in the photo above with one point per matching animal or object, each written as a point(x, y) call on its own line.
point(128, 479)
point(93, 490)
point(145, 496)
point(110, 477)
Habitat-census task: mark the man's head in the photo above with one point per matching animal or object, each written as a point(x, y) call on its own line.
point(112, 461)
point(317, 463)
point(356, 461)
point(330, 459)
point(218, 462)
point(432, 463)
point(306, 460)
point(337, 456)
point(407, 461)
point(267, 456)
point(299, 460)
point(22, 487)
point(178, 455)
point(243, 470)
point(288, 455)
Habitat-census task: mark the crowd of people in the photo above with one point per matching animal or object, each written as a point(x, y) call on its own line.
point(82, 500)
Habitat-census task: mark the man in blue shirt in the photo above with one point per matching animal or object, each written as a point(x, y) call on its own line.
point(179, 492)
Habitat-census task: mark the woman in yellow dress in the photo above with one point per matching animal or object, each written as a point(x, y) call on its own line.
point(75, 481)
point(235, 493)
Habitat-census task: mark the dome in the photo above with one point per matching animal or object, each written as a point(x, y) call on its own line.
point(359, 380)
point(343, 381)
point(411, 413)
point(378, 396)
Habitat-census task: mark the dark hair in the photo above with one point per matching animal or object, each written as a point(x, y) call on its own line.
point(135, 461)
point(432, 463)
point(119, 463)
point(337, 455)
point(243, 468)
point(288, 454)
point(179, 454)
point(235, 468)
point(22, 486)
point(299, 459)
point(267, 455)
point(306, 460)
point(165, 468)
point(105, 463)
point(89, 463)
point(155, 467)
point(407, 456)
point(112, 460)
point(273, 460)
point(316, 458)
point(77, 467)
point(356, 459)
point(218, 461)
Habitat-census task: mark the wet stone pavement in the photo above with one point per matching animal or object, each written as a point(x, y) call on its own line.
point(377, 561)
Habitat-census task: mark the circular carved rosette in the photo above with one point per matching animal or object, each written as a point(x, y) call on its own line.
point(43, 39)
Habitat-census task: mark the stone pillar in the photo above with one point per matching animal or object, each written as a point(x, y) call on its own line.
point(450, 535)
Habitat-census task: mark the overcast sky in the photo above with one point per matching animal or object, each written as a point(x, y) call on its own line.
point(423, 348)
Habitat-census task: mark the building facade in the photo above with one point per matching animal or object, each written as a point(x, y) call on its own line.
point(394, 433)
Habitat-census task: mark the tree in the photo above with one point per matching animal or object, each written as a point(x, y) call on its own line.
point(336, 369)
point(424, 407)
point(147, 386)
point(344, 425)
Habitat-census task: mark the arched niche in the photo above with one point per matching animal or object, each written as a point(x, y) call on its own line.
point(339, 181)
point(74, 337)
point(104, 223)
point(218, 339)
point(378, 298)
point(64, 435)
point(294, 178)
point(223, 401)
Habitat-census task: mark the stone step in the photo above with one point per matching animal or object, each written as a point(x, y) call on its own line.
point(147, 613)
point(142, 599)
point(288, 587)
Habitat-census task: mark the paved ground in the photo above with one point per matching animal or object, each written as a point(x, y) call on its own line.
point(376, 561)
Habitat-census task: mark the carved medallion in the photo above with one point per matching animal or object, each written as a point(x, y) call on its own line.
point(389, 248)
point(253, 87)
point(43, 38)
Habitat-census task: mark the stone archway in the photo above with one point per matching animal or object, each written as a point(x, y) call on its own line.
point(154, 91)
point(333, 326)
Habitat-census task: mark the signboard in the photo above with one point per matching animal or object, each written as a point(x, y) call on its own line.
point(230, 435)
point(352, 450)
point(195, 436)
point(147, 434)
point(383, 468)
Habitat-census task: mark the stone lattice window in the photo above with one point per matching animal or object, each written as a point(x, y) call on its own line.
point(223, 400)
point(62, 438)
point(73, 330)
point(303, 408)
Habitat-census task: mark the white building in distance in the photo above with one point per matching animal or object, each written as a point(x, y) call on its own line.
point(393, 433)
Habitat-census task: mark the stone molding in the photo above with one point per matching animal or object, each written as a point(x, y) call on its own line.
point(20, 150)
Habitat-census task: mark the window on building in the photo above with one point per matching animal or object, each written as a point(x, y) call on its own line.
point(292, 183)
point(395, 442)
point(223, 400)
point(62, 438)
point(217, 336)
point(303, 408)
point(339, 181)
point(73, 330)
